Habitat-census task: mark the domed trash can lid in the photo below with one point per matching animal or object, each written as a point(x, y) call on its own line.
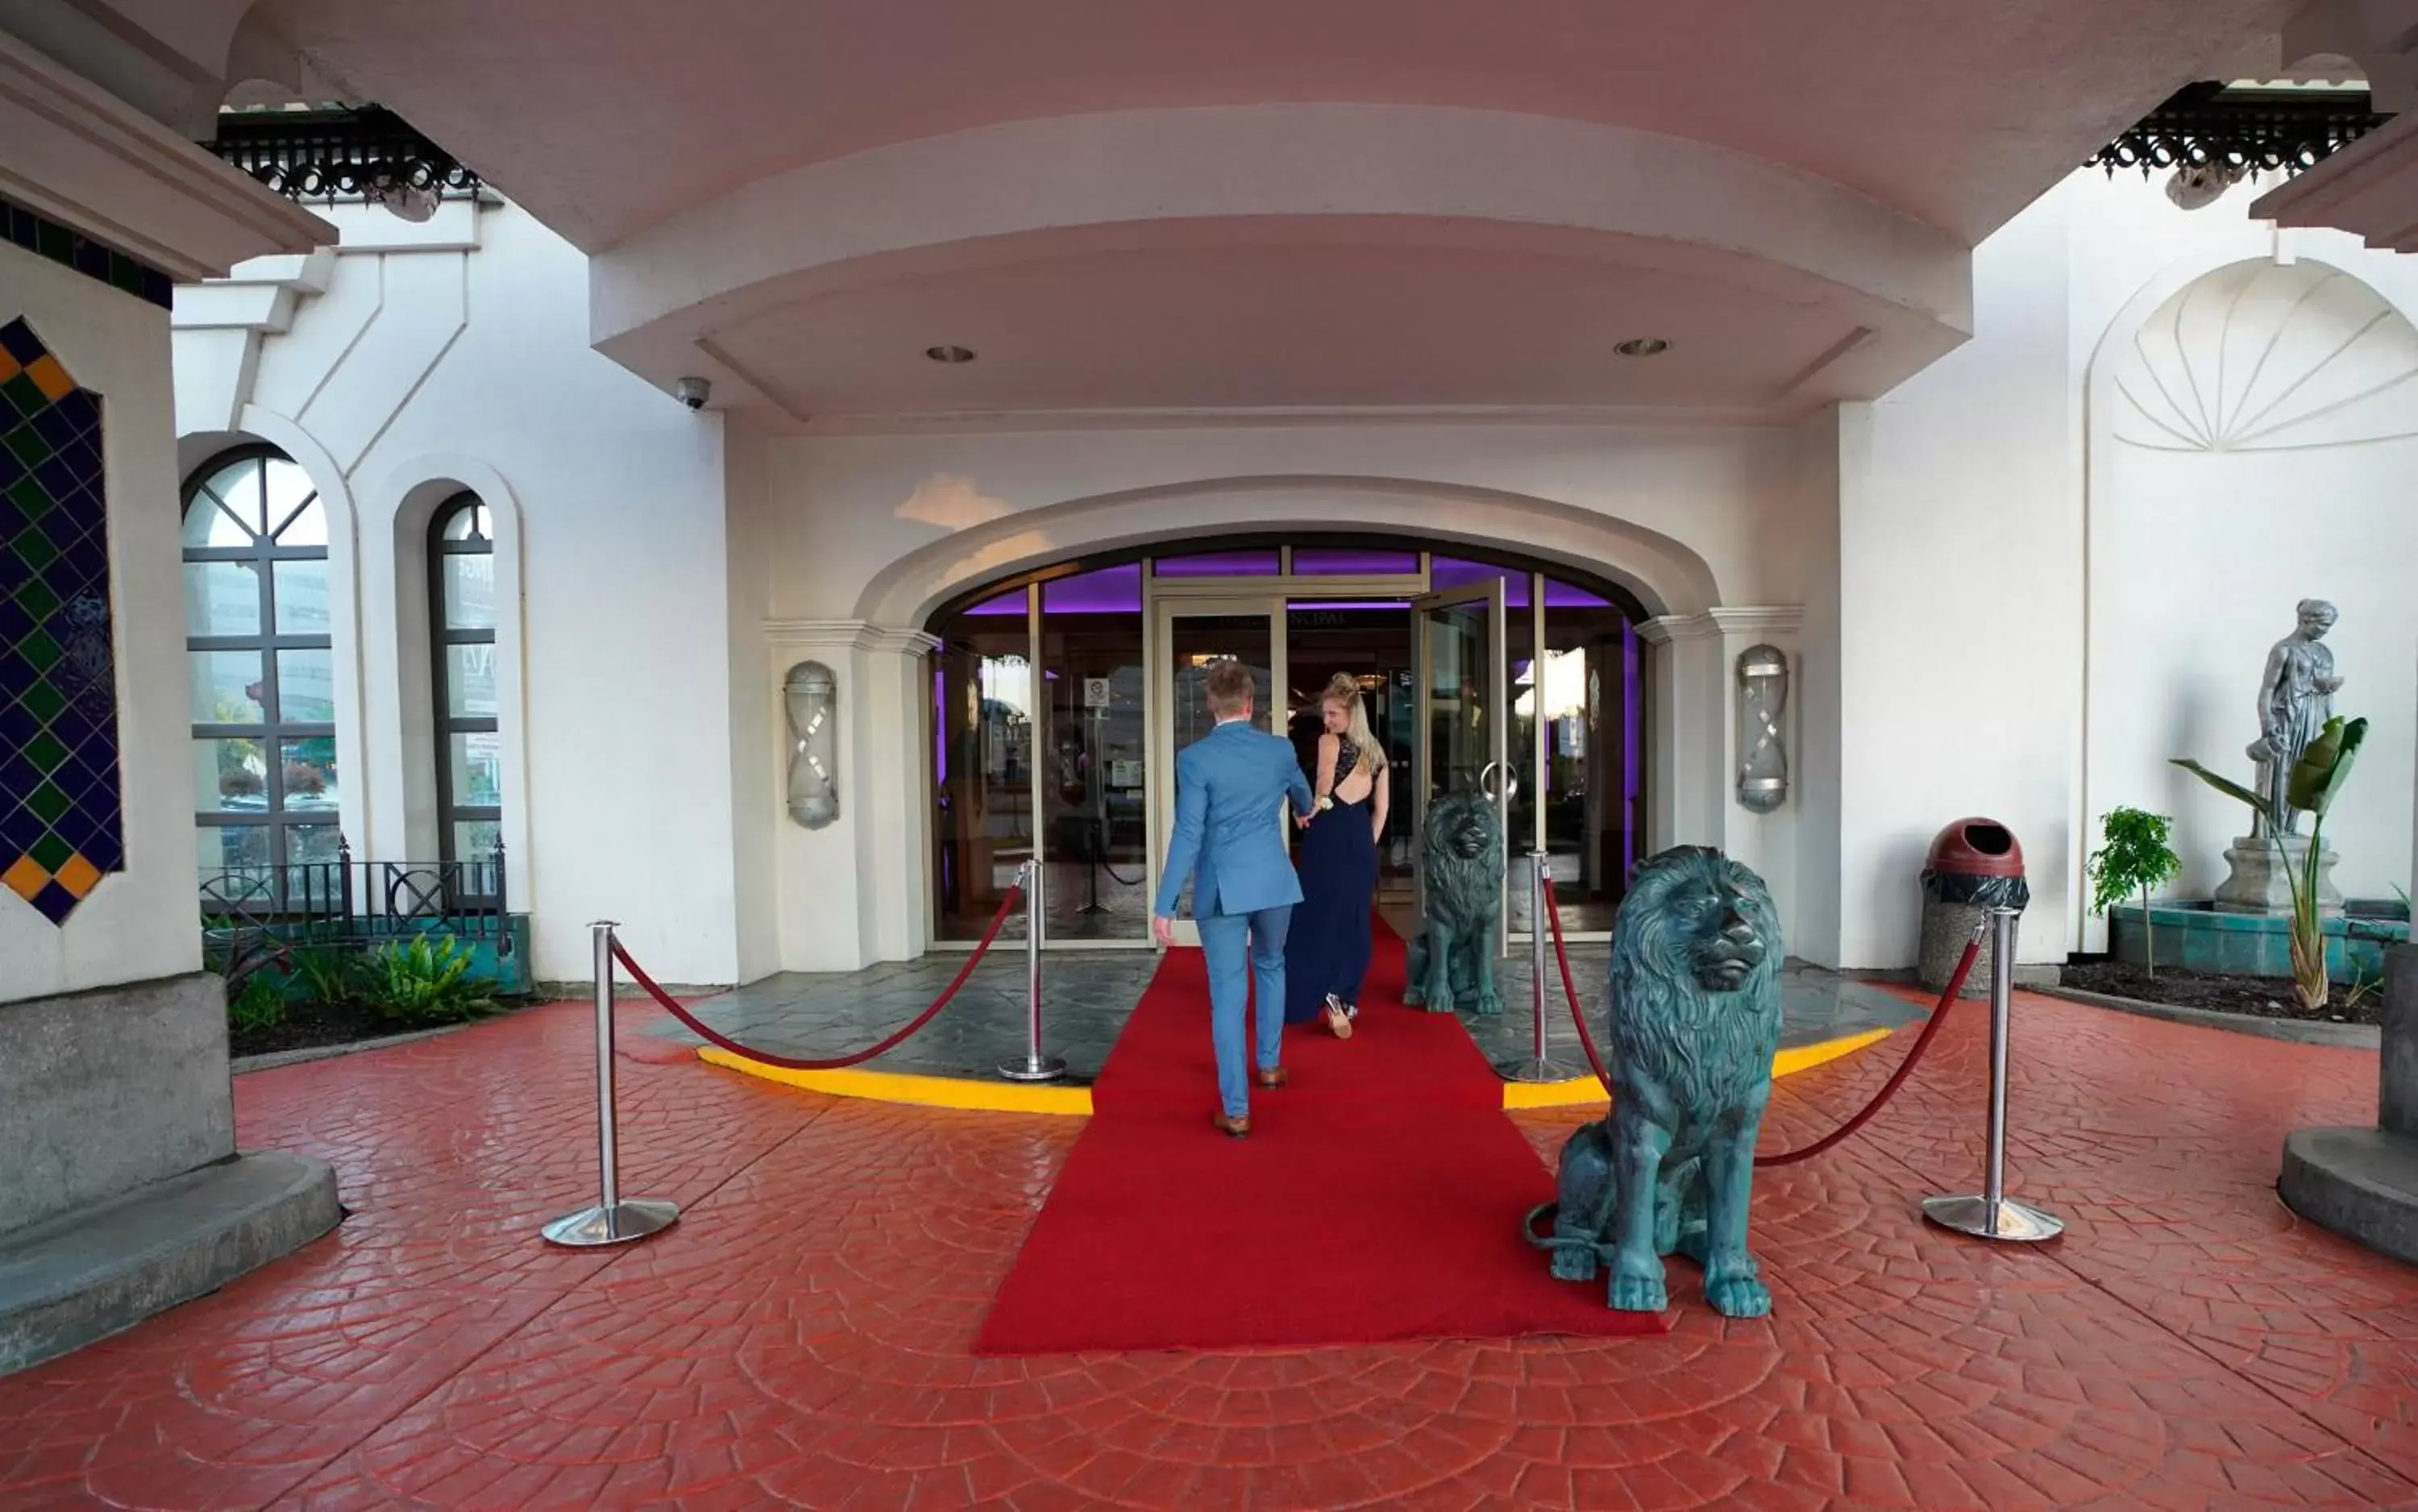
point(1976, 848)
point(1978, 862)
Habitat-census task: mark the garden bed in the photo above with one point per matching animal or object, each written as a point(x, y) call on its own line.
point(2260, 996)
point(312, 1025)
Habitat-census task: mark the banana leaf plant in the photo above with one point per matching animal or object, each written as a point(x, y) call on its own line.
point(2315, 782)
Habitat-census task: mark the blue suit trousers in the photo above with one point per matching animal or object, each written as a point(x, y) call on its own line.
point(1244, 949)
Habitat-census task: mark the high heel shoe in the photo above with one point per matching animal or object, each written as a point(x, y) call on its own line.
point(1339, 1017)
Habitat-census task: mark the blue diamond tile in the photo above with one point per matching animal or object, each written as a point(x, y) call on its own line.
point(56, 903)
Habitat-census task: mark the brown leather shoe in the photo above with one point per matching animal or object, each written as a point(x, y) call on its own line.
point(1273, 1077)
point(1232, 1127)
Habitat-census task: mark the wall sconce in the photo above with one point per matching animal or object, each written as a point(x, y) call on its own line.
point(1762, 761)
point(812, 694)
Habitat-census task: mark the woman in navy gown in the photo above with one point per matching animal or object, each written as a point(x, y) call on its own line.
point(1327, 950)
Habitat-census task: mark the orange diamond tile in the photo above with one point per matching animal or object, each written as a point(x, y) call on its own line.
point(49, 377)
point(78, 875)
point(26, 878)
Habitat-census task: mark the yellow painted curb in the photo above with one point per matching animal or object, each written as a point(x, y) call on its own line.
point(1076, 1102)
point(924, 1092)
point(1583, 1089)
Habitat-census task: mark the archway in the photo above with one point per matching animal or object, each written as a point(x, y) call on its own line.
point(1062, 691)
point(2256, 371)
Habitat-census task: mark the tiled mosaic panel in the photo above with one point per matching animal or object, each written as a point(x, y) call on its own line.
point(60, 826)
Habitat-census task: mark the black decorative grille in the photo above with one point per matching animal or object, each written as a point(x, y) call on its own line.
point(2252, 131)
point(337, 153)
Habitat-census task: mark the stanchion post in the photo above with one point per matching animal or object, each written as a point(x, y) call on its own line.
point(1536, 1066)
point(612, 1220)
point(1990, 1214)
point(1032, 1065)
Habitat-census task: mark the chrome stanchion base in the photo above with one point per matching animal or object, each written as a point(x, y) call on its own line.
point(1536, 1068)
point(1033, 1068)
point(2015, 1222)
point(632, 1218)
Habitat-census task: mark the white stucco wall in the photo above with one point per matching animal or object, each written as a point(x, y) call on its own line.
point(867, 534)
point(1960, 603)
point(456, 354)
point(138, 923)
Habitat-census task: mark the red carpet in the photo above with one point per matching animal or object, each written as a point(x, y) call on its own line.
point(1379, 1195)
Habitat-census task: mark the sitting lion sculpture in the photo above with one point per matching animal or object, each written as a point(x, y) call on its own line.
point(1696, 1021)
point(1452, 961)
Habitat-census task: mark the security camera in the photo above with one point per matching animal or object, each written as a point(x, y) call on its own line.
point(694, 392)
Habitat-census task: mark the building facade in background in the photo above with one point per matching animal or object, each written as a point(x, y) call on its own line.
point(524, 597)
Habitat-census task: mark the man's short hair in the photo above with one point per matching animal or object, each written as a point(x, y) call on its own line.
point(1231, 688)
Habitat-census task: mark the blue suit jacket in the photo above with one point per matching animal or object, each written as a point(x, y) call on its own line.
point(1229, 840)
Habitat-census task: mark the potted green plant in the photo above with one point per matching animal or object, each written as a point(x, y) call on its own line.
point(2315, 782)
point(2135, 859)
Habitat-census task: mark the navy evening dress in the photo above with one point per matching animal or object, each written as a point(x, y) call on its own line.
point(1327, 949)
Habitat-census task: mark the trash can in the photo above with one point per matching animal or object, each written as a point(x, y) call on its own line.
point(1974, 866)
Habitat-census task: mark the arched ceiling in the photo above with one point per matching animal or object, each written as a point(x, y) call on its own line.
point(1269, 204)
point(607, 115)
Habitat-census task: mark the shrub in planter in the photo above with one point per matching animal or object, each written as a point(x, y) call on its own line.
point(256, 1005)
point(426, 981)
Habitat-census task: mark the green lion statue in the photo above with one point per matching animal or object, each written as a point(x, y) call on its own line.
point(1460, 853)
point(1695, 1021)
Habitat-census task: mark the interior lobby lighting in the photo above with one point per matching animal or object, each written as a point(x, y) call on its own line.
point(1643, 346)
point(948, 354)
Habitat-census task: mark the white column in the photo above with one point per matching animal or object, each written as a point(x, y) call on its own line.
point(1683, 781)
point(1694, 780)
point(854, 891)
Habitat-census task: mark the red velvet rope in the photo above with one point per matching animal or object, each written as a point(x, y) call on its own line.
point(1863, 1116)
point(705, 1031)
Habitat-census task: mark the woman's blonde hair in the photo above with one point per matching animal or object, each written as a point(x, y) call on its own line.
point(1344, 688)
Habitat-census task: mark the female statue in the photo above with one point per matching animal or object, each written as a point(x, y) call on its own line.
point(2295, 699)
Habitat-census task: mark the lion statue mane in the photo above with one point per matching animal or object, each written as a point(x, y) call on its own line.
point(1451, 963)
point(1695, 1023)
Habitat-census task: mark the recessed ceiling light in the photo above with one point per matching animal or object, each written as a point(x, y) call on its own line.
point(948, 354)
point(1643, 346)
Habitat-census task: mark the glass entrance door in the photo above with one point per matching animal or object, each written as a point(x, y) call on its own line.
point(1462, 715)
point(1190, 634)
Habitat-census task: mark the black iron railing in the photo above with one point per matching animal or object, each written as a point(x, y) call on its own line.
point(348, 902)
point(2251, 131)
point(336, 153)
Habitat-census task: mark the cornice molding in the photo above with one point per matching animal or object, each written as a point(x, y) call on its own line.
point(261, 294)
point(2368, 188)
point(1739, 619)
point(848, 635)
point(88, 159)
point(1759, 619)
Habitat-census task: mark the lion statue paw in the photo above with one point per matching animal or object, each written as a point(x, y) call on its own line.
point(1736, 1294)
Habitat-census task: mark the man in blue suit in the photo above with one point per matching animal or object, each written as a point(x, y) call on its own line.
point(1230, 845)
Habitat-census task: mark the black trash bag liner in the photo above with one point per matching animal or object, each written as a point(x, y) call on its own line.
point(1978, 892)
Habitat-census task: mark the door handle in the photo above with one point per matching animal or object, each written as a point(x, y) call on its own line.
point(1508, 784)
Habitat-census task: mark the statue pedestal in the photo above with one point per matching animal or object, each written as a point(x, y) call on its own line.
point(2260, 872)
point(2362, 1183)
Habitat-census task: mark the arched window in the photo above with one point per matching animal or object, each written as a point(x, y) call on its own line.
point(469, 751)
point(262, 671)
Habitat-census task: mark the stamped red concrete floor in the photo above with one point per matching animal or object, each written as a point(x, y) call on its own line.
point(801, 1338)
